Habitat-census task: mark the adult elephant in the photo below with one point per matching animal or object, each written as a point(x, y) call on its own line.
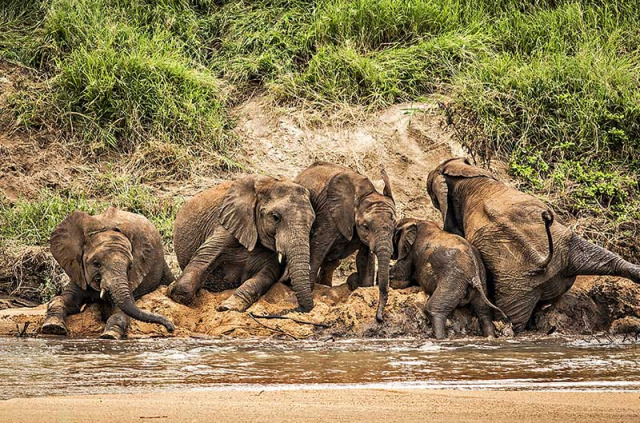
point(115, 255)
point(236, 234)
point(529, 258)
point(350, 215)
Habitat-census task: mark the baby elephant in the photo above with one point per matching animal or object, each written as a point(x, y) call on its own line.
point(114, 256)
point(447, 267)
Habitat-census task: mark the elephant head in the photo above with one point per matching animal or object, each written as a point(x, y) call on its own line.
point(438, 185)
point(278, 214)
point(404, 238)
point(354, 203)
point(109, 257)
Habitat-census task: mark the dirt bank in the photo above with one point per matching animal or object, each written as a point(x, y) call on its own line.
point(331, 405)
point(593, 305)
point(408, 139)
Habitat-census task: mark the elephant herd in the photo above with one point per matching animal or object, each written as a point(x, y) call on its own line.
point(496, 242)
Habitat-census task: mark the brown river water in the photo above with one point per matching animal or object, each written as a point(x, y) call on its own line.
point(38, 367)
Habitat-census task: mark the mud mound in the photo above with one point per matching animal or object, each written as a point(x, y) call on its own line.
point(594, 305)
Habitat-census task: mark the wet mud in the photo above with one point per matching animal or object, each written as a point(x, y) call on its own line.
point(594, 305)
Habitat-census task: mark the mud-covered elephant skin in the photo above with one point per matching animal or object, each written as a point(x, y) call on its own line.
point(113, 257)
point(530, 260)
point(447, 267)
point(350, 216)
point(244, 234)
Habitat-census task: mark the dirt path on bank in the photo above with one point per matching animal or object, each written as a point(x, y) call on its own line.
point(331, 405)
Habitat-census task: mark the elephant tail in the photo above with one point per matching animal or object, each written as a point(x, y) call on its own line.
point(547, 217)
point(476, 283)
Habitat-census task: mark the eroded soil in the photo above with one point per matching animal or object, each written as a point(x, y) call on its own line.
point(409, 140)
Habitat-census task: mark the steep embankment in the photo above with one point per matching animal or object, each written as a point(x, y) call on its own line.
point(409, 140)
point(140, 104)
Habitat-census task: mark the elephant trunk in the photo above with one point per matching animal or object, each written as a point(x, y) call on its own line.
point(383, 254)
point(298, 263)
point(118, 287)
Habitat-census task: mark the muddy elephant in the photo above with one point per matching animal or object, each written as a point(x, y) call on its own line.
point(244, 234)
point(350, 216)
point(447, 267)
point(530, 260)
point(115, 257)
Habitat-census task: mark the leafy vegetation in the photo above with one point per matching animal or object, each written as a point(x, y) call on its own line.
point(552, 86)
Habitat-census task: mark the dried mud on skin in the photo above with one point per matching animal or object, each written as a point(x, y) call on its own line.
point(594, 305)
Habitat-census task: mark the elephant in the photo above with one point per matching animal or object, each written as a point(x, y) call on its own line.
point(530, 260)
point(116, 256)
point(350, 216)
point(447, 267)
point(244, 234)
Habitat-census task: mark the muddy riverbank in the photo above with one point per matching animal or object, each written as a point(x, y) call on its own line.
point(593, 305)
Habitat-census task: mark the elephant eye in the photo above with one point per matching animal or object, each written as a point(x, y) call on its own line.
point(97, 264)
point(276, 217)
point(366, 227)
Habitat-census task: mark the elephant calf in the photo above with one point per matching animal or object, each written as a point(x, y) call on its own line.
point(529, 258)
point(448, 269)
point(236, 235)
point(115, 255)
point(351, 216)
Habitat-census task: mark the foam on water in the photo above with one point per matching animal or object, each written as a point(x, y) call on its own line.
point(36, 367)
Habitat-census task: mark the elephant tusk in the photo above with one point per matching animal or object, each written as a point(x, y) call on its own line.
point(280, 258)
point(103, 293)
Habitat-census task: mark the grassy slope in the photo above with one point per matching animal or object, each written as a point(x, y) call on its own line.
point(551, 86)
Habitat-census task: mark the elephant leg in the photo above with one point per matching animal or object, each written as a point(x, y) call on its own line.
point(441, 303)
point(116, 327)
point(326, 272)
point(192, 278)
point(483, 312)
point(518, 305)
point(252, 289)
point(586, 258)
point(366, 265)
point(65, 304)
point(167, 275)
point(324, 234)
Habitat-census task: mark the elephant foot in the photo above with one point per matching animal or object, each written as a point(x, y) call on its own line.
point(399, 284)
point(54, 325)
point(181, 295)
point(352, 281)
point(112, 333)
point(233, 303)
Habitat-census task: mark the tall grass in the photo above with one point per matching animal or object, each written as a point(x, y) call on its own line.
point(551, 85)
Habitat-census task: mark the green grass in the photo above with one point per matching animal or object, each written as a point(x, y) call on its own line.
point(551, 86)
point(31, 222)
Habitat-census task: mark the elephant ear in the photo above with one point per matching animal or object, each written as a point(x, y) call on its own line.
point(67, 244)
point(463, 168)
point(387, 185)
point(238, 211)
point(406, 237)
point(439, 192)
point(341, 200)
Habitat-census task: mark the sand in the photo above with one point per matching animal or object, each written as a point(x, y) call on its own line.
point(330, 405)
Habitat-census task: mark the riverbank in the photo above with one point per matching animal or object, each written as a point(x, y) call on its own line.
point(372, 405)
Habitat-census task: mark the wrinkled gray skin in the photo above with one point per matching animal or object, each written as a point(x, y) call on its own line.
point(530, 260)
point(115, 255)
point(231, 235)
point(350, 216)
point(448, 269)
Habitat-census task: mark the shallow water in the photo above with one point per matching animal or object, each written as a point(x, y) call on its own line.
point(37, 367)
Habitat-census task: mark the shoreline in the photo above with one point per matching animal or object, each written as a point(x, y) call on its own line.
point(327, 405)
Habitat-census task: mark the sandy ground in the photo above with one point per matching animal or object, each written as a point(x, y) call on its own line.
point(370, 405)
